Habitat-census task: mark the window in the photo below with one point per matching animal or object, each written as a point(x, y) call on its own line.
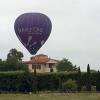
point(33, 66)
point(37, 66)
point(51, 65)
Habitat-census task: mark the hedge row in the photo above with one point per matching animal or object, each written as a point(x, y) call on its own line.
point(24, 82)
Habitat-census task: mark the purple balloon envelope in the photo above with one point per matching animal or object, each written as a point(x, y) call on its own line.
point(33, 29)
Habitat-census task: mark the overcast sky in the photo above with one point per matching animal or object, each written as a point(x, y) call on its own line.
point(75, 33)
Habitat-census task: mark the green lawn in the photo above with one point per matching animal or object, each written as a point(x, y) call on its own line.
point(51, 96)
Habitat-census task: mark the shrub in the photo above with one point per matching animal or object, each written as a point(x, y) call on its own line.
point(69, 85)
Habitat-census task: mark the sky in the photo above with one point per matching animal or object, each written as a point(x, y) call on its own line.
point(75, 29)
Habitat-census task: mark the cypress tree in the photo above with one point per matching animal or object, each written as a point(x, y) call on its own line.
point(88, 79)
point(79, 80)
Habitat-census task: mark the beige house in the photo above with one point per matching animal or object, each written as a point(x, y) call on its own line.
point(42, 63)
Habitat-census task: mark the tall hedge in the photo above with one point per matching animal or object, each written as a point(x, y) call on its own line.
point(24, 82)
point(98, 82)
point(16, 82)
point(79, 80)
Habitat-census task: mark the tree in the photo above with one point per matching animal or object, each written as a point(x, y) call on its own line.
point(65, 65)
point(13, 62)
point(2, 65)
point(0, 59)
point(79, 80)
point(75, 68)
point(14, 53)
point(88, 78)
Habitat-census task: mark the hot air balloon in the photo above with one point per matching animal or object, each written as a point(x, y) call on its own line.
point(33, 29)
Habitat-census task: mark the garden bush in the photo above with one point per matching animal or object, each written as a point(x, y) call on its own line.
point(69, 85)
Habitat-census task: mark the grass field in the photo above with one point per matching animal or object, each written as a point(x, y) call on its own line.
point(51, 96)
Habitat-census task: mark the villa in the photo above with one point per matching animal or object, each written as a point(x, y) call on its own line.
point(42, 63)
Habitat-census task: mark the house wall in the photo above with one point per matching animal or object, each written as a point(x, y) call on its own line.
point(32, 70)
point(44, 68)
point(30, 67)
point(54, 69)
point(47, 68)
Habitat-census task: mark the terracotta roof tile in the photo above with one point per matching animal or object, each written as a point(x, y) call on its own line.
point(39, 59)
